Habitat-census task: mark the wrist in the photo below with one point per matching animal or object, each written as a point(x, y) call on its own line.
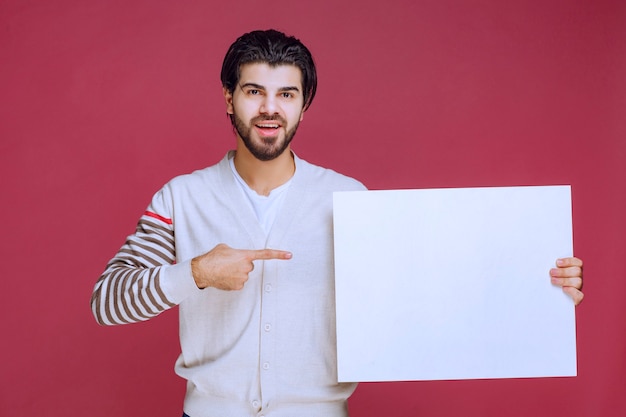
point(196, 273)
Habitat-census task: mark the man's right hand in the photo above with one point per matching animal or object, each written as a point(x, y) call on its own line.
point(226, 268)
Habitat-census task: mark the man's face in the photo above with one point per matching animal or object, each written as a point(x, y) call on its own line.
point(267, 106)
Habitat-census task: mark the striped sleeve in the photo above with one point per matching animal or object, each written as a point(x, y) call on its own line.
point(130, 289)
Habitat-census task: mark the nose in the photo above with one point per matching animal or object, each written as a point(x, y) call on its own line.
point(269, 105)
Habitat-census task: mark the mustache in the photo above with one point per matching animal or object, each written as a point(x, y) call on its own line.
point(265, 118)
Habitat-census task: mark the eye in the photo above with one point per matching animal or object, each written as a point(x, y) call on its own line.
point(287, 95)
point(254, 92)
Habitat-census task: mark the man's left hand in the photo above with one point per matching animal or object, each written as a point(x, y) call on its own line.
point(568, 274)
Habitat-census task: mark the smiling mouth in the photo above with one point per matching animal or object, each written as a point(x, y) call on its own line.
point(268, 128)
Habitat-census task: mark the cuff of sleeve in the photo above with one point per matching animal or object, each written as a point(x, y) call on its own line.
point(177, 282)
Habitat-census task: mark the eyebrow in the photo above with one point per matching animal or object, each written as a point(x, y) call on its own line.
point(260, 87)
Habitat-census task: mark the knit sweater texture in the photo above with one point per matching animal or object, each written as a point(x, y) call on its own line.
point(268, 349)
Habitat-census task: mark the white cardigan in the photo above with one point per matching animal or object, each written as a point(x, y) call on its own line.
point(268, 349)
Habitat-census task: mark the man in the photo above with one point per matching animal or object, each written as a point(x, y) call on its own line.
point(244, 247)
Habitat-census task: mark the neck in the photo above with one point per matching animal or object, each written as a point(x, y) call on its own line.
point(263, 176)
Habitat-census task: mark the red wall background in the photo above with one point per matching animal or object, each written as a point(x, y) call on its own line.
point(101, 102)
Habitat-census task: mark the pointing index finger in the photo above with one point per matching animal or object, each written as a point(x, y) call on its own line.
point(264, 254)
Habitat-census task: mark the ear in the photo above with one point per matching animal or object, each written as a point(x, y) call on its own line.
point(304, 109)
point(228, 97)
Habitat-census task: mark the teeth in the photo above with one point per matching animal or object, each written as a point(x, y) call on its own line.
point(273, 126)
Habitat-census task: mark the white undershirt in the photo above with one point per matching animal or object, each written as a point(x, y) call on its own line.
point(265, 207)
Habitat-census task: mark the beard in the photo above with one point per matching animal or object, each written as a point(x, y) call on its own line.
point(266, 148)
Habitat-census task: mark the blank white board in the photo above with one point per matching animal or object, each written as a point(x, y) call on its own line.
point(452, 284)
